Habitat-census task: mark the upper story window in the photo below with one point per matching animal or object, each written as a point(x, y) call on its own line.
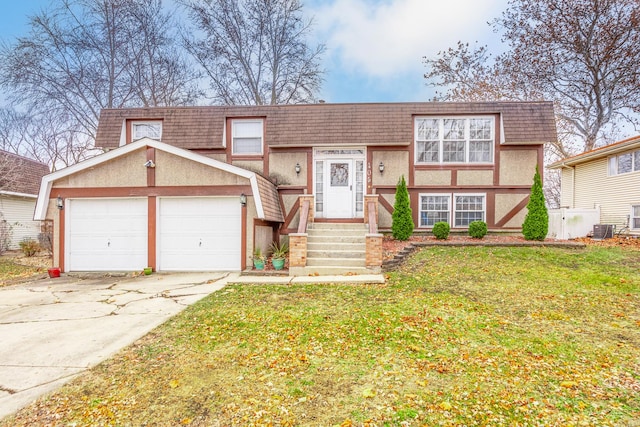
point(454, 139)
point(148, 129)
point(246, 136)
point(624, 163)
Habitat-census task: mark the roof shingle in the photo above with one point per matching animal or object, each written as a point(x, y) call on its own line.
point(20, 174)
point(326, 124)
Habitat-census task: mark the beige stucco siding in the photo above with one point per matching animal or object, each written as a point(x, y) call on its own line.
point(475, 177)
point(615, 194)
point(396, 164)
point(173, 171)
point(432, 177)
point(384, 217)
point(282, 168)
point(125, 171)
point(505, 203)
point(517, 167)
point(250, 165)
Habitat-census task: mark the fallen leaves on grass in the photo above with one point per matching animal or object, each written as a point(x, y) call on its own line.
point(473, 336)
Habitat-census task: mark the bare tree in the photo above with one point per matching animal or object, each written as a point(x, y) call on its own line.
point(254, 52)
point(43, 136)
point(582, 54)
point(85, 55)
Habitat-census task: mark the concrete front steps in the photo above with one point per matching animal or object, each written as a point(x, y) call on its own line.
point(335, 249)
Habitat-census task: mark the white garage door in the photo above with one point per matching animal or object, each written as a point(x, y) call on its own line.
point(106, 234)
point(199, 234)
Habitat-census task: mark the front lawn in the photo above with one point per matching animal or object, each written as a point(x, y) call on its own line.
point(11, 269)
point(457, 336)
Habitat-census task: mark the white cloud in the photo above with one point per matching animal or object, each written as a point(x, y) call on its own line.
point(386, 38)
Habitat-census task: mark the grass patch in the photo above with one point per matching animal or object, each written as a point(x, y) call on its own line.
point(457, 336)
point(10, 270)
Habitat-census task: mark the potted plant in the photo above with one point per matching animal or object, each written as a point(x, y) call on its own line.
point(278, 254)
point(258, 259)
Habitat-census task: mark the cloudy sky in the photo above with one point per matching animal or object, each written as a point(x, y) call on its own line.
point(374, 47)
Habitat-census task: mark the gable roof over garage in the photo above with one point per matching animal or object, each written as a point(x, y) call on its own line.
point(264, 192)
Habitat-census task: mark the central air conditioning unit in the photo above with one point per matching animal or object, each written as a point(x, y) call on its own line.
point(603, 231)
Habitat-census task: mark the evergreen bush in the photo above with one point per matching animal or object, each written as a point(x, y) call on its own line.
point(441, 230)
point(536, 223)
point(477, 229)
point(402, 219)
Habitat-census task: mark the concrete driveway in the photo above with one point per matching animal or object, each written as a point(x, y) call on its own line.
point(53, 329)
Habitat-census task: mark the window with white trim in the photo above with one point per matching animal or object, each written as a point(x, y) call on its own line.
point(148, 129)
point(635, 217)
point(458, 210)
point(454, 139)
point(246, 137)
point(468, 208)
point(434, 208)
point(624, 163)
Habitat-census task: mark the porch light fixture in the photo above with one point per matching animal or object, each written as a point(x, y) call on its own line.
point(381, 167)
point(60, 203)
point(298, 168)
point(243, 199)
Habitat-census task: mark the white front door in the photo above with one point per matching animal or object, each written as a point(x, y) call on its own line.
point(339, 193)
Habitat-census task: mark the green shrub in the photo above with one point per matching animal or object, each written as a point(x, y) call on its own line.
point(402, 219)
point(29, 247)
point(477, 229)
point(441, 230)
point(536, 223)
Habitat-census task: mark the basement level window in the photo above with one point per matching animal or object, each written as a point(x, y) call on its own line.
point(146, 129)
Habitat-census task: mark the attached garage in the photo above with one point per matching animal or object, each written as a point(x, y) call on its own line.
point(199, 233)
point(106, 234)
point(149, 204)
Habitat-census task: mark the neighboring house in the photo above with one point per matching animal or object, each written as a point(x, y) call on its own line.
point(608, 179)
point(176, 204)
point(19, 183)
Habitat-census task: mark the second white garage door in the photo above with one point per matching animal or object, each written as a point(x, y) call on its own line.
point(199, 234)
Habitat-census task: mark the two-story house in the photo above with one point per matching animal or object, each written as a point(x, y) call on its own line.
point(198, 188)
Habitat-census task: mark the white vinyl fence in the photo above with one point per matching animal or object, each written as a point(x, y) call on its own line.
point(567, 223)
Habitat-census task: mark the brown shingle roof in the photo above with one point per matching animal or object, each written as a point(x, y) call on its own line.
point(324, 124)
point(20, 174)
point(270, 200)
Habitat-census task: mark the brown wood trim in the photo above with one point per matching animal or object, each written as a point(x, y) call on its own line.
point(309, 173)
point(224, 190)
point(513, 212)
point(151, 172)
point(490, 209)
point(454, 177)
point(385, 204)
point(291, 215)
point(151, 233)
point(61, 230)
point(497, 148)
